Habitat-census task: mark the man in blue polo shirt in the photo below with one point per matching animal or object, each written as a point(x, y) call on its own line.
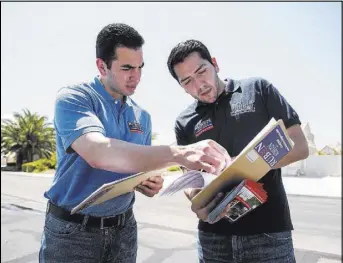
point(232, 112)
point(103, 135)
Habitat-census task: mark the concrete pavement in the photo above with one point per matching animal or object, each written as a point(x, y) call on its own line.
point(317, 222)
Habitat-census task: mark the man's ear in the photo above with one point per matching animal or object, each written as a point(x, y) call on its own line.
point(101, 65)
point(215, 64)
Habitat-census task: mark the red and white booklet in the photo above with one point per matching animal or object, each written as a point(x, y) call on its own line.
point(242, 199)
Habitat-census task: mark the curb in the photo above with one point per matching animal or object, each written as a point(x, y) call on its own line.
point(44, 175)
point(315, 196)
point(319, 254)
point(22, 203)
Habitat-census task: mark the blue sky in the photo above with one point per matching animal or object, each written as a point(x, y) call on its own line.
point(296, 46)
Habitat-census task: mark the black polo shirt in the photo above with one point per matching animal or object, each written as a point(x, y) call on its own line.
point(233, 120)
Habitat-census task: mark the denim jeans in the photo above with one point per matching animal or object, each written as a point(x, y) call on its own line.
point(261, 248)
point(65, 242)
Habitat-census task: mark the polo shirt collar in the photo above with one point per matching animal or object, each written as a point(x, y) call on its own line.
point(231, 86)
point(101, 90)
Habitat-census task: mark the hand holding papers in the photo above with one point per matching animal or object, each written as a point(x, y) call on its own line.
point(256, 159)
point(264, 151)
point(116, 188)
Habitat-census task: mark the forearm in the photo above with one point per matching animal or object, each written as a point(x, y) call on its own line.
point(291, 157)
point(300, 149)
point(123, 157)
point(299, 152)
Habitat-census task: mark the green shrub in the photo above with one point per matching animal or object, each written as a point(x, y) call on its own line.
point(52, 161)
point(28, 167)
point(38, 166)
point(41, 166)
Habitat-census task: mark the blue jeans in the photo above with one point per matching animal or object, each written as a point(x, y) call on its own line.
point(65, 242)
point(261, 248)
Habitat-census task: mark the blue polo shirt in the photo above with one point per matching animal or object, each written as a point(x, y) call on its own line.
point(84, 108)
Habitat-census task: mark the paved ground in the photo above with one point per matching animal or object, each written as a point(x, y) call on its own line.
point(317, 221)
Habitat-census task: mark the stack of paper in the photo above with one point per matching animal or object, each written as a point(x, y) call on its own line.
point(247, 196)
point(191, 179)
point(116, 188)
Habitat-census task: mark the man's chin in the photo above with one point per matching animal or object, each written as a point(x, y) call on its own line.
point(130, 92)
point(207, 100)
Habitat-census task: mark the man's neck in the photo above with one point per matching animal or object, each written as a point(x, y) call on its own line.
point(113, 94)
point(221, 86)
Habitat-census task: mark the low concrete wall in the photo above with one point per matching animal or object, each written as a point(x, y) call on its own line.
point(316, 166)
point(325, 186)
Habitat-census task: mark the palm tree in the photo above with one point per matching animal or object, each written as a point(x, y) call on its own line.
point(28, 134)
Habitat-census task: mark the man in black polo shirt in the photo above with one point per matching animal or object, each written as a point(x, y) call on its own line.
point(232, 112)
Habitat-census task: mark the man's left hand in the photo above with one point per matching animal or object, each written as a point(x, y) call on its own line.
point(151, 186)
point(203, 212)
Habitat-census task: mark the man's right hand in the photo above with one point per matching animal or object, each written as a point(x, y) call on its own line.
point(204, 155)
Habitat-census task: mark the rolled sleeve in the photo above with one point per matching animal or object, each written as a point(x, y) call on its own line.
point(277, 106)
point(75, 116)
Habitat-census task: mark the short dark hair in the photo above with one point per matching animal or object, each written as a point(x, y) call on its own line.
point(113, 36)
point(182, 50)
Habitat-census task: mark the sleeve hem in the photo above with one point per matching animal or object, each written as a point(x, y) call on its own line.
point(68, 142)
point(291, 122)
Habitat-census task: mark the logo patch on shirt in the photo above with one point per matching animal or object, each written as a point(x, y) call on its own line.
point(202, 127)
point(242, 107)
point(135, 127)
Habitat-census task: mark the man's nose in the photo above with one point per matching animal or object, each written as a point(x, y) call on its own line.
point(135, 74)
point(197, 83)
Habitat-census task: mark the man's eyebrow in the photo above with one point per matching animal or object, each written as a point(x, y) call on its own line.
point(199, 68)
point(182, 80)
point(130, 66)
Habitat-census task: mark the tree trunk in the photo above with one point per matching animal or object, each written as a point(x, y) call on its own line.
point(29, 155)
point(19, 160)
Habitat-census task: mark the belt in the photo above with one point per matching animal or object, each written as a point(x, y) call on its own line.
point(89, 221)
